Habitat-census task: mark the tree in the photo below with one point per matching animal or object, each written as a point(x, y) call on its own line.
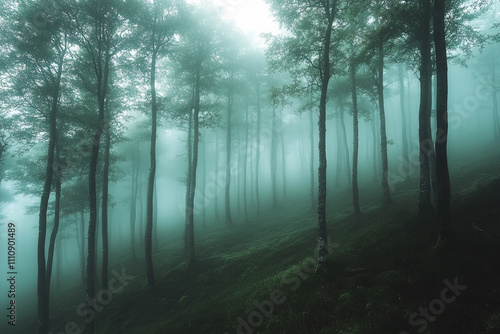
point(443, 177)
point(355, 191)
point(196, 62)
point(158, 25)
point(404, 126)
point(97, 26)
point(42, 47)
point(310, 24)
point(424, 135)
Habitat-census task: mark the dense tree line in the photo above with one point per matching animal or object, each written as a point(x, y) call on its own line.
point(80, 77)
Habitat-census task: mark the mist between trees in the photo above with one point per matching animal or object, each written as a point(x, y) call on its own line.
point(126, 123)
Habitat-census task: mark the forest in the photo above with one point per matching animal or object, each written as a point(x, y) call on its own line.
point(249, 166)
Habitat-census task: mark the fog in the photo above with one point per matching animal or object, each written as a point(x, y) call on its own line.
point(220, 93)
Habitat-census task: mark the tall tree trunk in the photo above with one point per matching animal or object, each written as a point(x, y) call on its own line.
point(257, 159)
point(410, 127)
point(311, 160)
point(189, 173)
point(375, 147)
point(133, 198)
point(204, 190)
point(404, 135)
point(216, 199)
point(386, 194)
point(155, 218)
point(57, 180)
point(322, 242)
point(443, 176)
point(42, 291)
point(355, 142)
point(346, 146)
point(102, 87)
point(148, 235)
point(82, 236)
point(59, 251)
point(194, 164)
point(432, 152)
point(230, 97)
point(273, 159)
point(238, 176)
point(104, 204)
point(340, 152)
point(424, 201)
point(245, 163)
point(283, 153)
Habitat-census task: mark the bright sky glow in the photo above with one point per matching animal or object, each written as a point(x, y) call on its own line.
point(253, 17)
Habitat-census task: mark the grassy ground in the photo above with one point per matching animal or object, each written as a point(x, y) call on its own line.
point(385, 265)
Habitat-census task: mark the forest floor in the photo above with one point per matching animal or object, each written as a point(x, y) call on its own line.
point(388, 271)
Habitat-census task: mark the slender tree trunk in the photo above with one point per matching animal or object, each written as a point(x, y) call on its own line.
point(238, 177)
point(230, 97)
point(340, 151)
point(443, 176)
point(257, 159)
point(322, 242)
point(252, 175)
point(133, 199)
point(148, 234)
point(383, 136)
point(194, 164)
point(82, 236)
point(102, 88)
point(204, 190)
point(155, 218)
point(404, 136)
point(189, 173)
point(104, 205)
point(59, 251)
point(346, 146)
point(424, 201)
point(57, 209)
point(375, 148)
point(42, 291)
point(245, 163)
point(410, 135)
point(273, 159)
point(216, 199)
point(283, 153)
point(355, 142)
point(311, 160)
